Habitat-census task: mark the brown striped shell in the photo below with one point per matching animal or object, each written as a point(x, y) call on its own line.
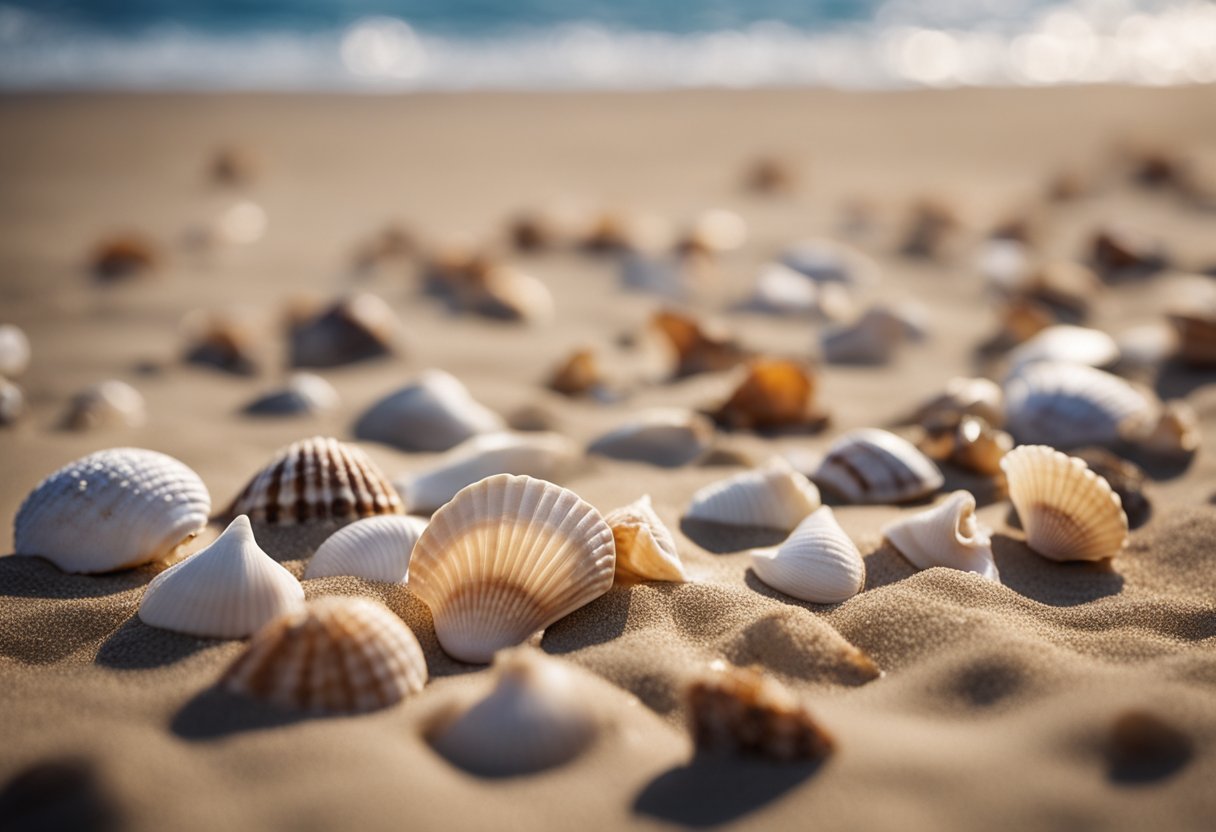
point(317, 480)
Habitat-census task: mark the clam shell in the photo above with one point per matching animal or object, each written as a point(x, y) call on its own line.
point(507, 557)
point(774, 497)
point(356, 328)
point(667, 437)
point(870, 340)
point(818, 562)
point(1063, 343)
point(870, 465)
point(317, 480)
point(107, 404)
point(12, 402)
point(230, 589)
point(775, 393)
point(337, 655)
point(965, 397)
point(1066, 405)
point(14, 351)
point(644, 545)
point(111, 510)
point(304, 393)
point(374, 548)
point(1067, 511)
point(949, 534)
point(827, 261)
point(434, 413)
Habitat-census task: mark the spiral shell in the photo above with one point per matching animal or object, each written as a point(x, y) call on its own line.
point(949, 534)
point(775, 497)
point(374, 548)
point(1067, 405)
point(818, 562)
point(434, 413)
point(644, 545)
point(870, 465)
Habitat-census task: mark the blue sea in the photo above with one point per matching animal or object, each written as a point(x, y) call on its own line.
point(403, 45)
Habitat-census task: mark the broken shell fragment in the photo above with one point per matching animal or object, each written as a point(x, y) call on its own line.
point(970, 443)
point(509, 294)
point(357, 328)
point(949, 534)
point(775, 393)
point(1176, 433)
point(124, 256)
point(773, 497)
point(818, 562)
point(668, 437)
point(1117, 252)
point(221, 342)
point(870, 465)
point(374, 549)
point(645, 546)
point(870, 340)
point(107, 404)
point(433, 413)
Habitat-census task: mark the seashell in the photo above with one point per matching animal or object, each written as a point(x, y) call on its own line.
point(111, 510)
point(827, 261)
point(374, 548)
point(1117, 252)
point(818, 562)
point(644, 545)
point(780, 290)
point(615, 232)
point(532, 418)
point(737, 712)
point(714, 232)
point(965, 397)
point(698, 347)
point(1063, 343)
point(507, 557)
point(535, 230)
point(668, 437)
point(316, 480)
point(12, 402)
point(433, 413)
point(233, 166)
point(508, 294)
point(933, 226)
point(773, 497)
point(949, 534)
point(230, 589)
point(1003, 263)
point(536, 717)
point(1125, 479)
point(107, 404)
point(1176, 433)
point(124, 256)
point(337, 655)
point(870, 340)
point(577, 375)
point(355, 328)
point(1196, 329)
point(870, 465)
point(1065, 405)
point(770, 175)
point(393, 242)
point(547, 456)
point(1067, 511)
point(672, 276)
point(1147, 346)
point(1019, 320)
point(304, 393)
point(14, 351)
point(775, 393)
point(969, 442)
point(1064, 286)
point(222, 342)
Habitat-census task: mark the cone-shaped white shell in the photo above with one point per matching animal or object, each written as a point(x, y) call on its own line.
point(818, 562)
point(1071, 344)
point(434, 413)
point(773, 497)
point(303, 393)
point(14, 351)
point(870, 465)
point(644, 544)
point(1067, 511)
point(107, 404)
point(946, 535)
point(228, 590)
point(666, 437)
point(374, 548)
point(111, 510)
point(506, 557)
point(1067, 405)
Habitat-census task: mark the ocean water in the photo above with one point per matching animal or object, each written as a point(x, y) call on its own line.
point(402, 45)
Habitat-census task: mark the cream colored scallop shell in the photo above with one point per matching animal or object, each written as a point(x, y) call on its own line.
point(818, 562)
point(1068, 405)
point(949, 534)
point(374, 548)
point(644, 545)
point(434, 413)
point(107, 404)
point(774, 497)
point(870, 465)
point(665, 437)
point(507, 557)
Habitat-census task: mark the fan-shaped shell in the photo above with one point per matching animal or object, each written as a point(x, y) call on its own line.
point(870, 465)
point(665, 437)
point(111, 510)
point(230, 589)
point(1067, 511)
point(1064, 343)
point(374, 548)
point(337, 655)
point(644, 545)
point(775, 497)
point(818, 562)
point(506, 557)
point(949, 534)
point(434, 413)
point(353, 329)
point(1067, 405)
point(107, 404)
point(304, 393)
point(14, 351)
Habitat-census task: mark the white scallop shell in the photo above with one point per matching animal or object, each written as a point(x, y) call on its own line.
point(14, 351)
point(870, 465)
point(111, 510)
point(507, 557)
point(230, 589)
point(818, 562)
point(774, 497)
point(1064, 343)
point(374, 548)
point(1067, 405)
point(107, 404)
point(827, 261)
point(303, 393)
point(949, 534)
point(644, 545)
point(870, 340)
point(668, 437)
point(1067, 511)
point(434, 413)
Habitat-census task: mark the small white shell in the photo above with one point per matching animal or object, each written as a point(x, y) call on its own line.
point(14, 351)
point(665, 437)
point(827, 261)
point(1067, 511)
point(1063, 343)
point(434, 413)
point(870, 465)
point(818, 562)
point(946, 535)
point(111, 510)
point(12, 402)
point(870, 340)
point(644, 545)
point(780, 290)
point(774, 497)
point(107, 404)
point(1004, 264)
point(506, 557)
point(230, 589)
point(1067, 405)
point(374, 548)
point(304, 393)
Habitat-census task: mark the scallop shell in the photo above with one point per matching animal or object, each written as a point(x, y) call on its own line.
point(870, 465)
point(1066, 405)
point(434, 413)
point(965, 397)
point(230, 589)
point(374, 548)
point(14, 351)
point(949, 534)
point(644, 545)
point(1067, 511)
point(773, 497)
point(507, 557)
point(971, 444)
point(698, 347)
point(107, 404)
point(12, 402)
point(1063, 343)
point(870, 340)
point(356, 328)
point(818, 562)
point(775, 393)
point(111, 510)
point(304, 393)
point(667, 437)
point(337, 655)
point(827, 261)
point(317, 480)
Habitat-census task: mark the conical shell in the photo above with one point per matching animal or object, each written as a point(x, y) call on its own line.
point(1067, 405)
point(374, 548)
point(337, 655)
point(506, 557)
point(949, 534)
point(317, 480)
point(773, 497)
point(304, 393)
point(775, 393)
point(111, 510)
point(1067, 511)
point(14, 351)
point(536, 717)
point(1073, 344)
point(356, 328)
point(107, 404)
point(870, 465)
point(228, 590)
point(870, 340)
point(668, 437)
point(434, 413)
point(644, 545)
point(818, 562)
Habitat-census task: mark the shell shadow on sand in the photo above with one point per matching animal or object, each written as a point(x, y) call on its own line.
point(709, 792)
point(136, 646)
point(600, 621)
point(29, 577)
point(213, 714)
point(721, 539)
point(61, 793)
point(1048, 582)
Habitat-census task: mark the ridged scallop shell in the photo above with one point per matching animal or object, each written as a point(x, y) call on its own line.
point(111, 510)
point(773, 497)
point(818, 562)
point(965, 397)
point(547, 456)
point(644, 545)
point(668, 437)
point(827, 261)
point(230, 589)
point(870, 465)
point(14, 351)
point(434, 413)
point(304, 393)
point(317, 480)
point(537, 716)
point(374, 548)
point(356, 328)
point(870, 340)
point(775, 393)
point(12, 402)
point(1066, 405)
point(107, 404)
point(507, 557)
point(949, 534)
point(1064, 343)
point(337, 655)
point(1067, 511)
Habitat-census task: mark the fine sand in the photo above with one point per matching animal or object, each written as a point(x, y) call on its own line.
point(996, 703)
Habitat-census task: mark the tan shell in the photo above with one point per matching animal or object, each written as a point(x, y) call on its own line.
point(775, 393)
point(356, 328)
point(715, 231)
point(970, 443)
point(107, 404)
point(668, 437)
point(949, 534)
point(644, 545)
point(869, 465)
point(775, 497)
point(577, 375)
point(818, 562)
point(965, 397)
point(1177, 432)
point(507, 293)
point(697, 347)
